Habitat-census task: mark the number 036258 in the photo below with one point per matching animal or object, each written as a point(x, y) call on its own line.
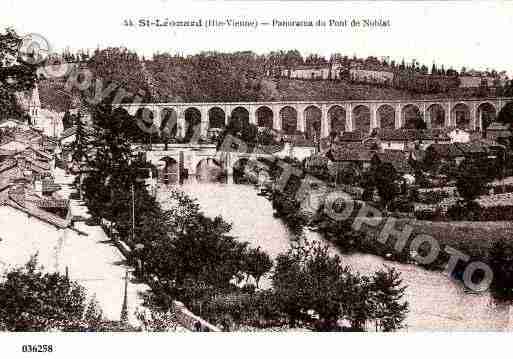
point(37, 348)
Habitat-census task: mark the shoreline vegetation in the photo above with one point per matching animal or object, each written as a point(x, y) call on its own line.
point(475, 239)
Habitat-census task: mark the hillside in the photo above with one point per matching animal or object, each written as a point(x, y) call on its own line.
point(55, 96)
point(297, 90)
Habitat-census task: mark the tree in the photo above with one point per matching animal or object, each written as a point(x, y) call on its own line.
point(33, 301)
point(505, 115)
point(346, 174)
point(121, 67)
point(385, 178)
point(243, 130)
point(166, 137)
point(368, 183)
point(79, 146)
point(15, 75)
point(434, 70)
point(501, 263)
point(293, 59)
point(67, 120)
point(257, 263)
point(387, 294)
point(471, 181)
point(307, 278)
point(416, 123)
point(189, 249)
point(289, 287)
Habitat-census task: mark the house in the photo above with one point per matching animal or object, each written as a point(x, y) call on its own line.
point(23, 169)
point(475, 80)
point(350, 136)
point(458, 135)
point(30, 103)
point(371, 76)
point(408, 139)
point(50, 123)
point(358, 156)
point(317, 165)
point(474, 150)
point(395, 139)
point(293, 145)
point(456, 153)
point(439, 153)
point(26, 217)
point(499, 132)
point(30, 151)
point(18, 139)
point(12, 123)
point(311, 72)
point(398, 159)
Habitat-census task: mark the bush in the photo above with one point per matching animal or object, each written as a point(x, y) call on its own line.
point(464, 212)
point(231, 311)
point(501, 263)
point(32, 301)
point(433, 197)
point(427, 214)
point(401, 205)
point(497, 213)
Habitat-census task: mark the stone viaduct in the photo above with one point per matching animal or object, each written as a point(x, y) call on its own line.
point(308, 117)
point(324, 116)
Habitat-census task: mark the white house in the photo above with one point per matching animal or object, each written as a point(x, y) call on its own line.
point(459, 136)
point(12, 123)
point(22, 229)
point(50, 123)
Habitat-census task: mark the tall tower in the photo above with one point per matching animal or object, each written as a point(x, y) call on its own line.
point(34, 107)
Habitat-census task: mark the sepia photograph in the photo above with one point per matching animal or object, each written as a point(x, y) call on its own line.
point(274, 168)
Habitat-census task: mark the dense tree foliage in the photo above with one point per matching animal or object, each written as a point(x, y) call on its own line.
point(471, 181)
point(385, 177)
point(501, 263)
point(308, 281)
point(506, 114)
point(257, 264)
point(33, 301)
point(16, 76)
point(122, 69)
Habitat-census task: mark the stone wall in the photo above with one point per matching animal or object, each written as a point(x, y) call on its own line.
point(190, 321)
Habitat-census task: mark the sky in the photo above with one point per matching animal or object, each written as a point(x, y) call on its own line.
point(457, 33)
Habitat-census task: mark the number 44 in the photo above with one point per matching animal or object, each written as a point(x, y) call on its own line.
point(128, 22)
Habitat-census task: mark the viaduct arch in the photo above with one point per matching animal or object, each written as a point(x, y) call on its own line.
point(320, 117)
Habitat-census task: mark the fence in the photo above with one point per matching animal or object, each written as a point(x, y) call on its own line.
point(191, 321)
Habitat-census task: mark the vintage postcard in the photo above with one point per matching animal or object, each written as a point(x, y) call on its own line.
point(253, 167)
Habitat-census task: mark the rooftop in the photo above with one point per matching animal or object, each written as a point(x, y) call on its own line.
point(398, 159)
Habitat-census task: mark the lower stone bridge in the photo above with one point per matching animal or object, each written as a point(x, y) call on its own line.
point(193, 157)
point(321, 117)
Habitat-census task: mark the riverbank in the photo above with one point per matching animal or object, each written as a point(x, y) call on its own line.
point(473, 239)
point(437, 303)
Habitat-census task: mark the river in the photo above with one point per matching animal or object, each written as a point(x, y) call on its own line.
point(436, 302)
